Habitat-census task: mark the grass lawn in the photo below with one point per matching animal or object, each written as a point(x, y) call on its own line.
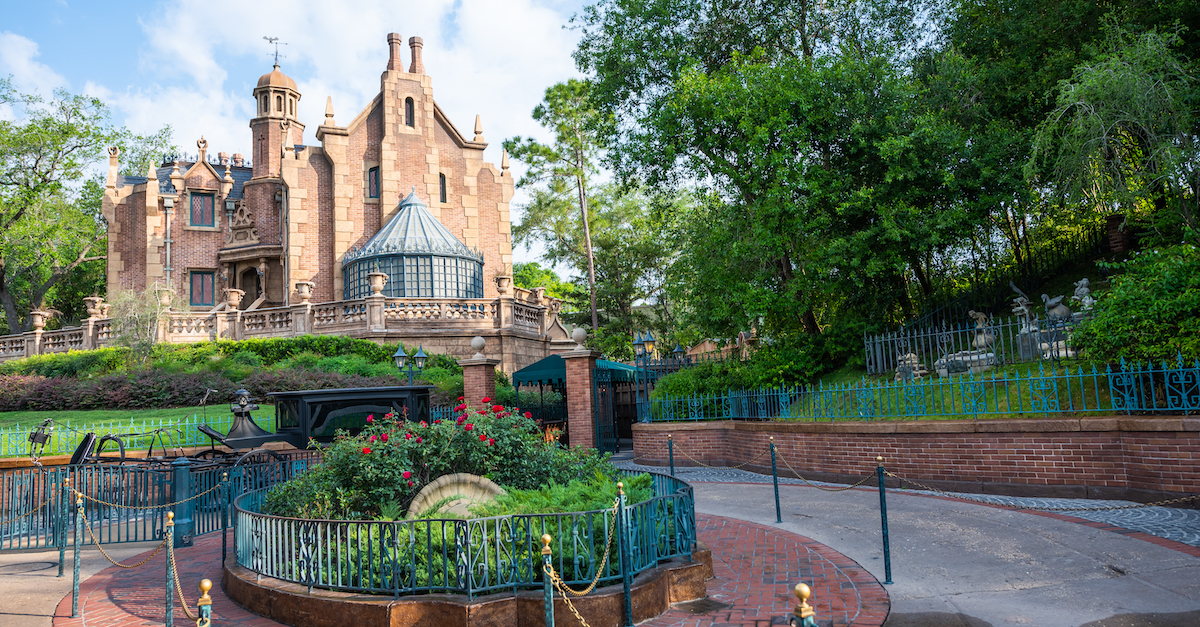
point(80, 419)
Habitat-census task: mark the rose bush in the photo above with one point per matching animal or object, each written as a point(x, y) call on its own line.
point(383, 467)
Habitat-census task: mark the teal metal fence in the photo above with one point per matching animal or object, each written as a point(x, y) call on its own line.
point(14, 441)
point(1122, 388)
point(472, 557)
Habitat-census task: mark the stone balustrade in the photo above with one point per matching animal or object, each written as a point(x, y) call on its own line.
point(443, 324)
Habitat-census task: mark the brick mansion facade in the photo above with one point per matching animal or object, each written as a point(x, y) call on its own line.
point(392, 228)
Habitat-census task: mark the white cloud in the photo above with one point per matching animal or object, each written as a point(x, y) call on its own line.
point(17, 58)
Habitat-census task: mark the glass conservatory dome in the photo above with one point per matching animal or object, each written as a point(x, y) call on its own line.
point(420, 257)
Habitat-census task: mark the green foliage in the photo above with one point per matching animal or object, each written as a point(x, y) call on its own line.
point(531, 274)
point(1152, 310)
point(83, 364)
point(392, 459)
point(275, 350)
point(579, 495)
point(800, 360)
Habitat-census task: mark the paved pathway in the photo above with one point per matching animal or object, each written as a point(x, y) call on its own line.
point(1172, 523)
point(755, 568)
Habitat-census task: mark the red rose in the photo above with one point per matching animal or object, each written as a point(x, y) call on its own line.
point(468, 426)
point(407, 436)
point(491, 441)
point(460, 408)
point(418, 439)
point(423, 424)
point(370, 418)
point(410, 484)
point(497, 408)
point(366, 450)
point(407, 474)
point(438, 421)
point(482, 437)
point(384, 437)
point(371, 439)
point(529, 414)
point(486, 399)
point(460, 398)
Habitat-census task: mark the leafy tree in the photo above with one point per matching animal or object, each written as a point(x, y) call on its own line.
point(1123, 133)
point(559, 174)
point(50, 222)
point(531, 274)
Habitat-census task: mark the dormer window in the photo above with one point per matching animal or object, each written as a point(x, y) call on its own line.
point(202, 210)
point(410, 115)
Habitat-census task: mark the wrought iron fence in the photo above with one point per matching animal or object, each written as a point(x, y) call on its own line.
point(1150, 387)
point(14, 441)
point(125, 503)
point(472, 557)
point(969, 346)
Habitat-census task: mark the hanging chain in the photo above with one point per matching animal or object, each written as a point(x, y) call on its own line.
point(604, 563)
point(860, 482)
point(179, 588)
point(558, 583)
point(1099, 508)
point(190, 498)
point(756, 458)
point(95, 541)
point(38, 508)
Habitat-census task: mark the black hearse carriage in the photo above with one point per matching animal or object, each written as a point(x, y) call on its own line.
point(318, 414)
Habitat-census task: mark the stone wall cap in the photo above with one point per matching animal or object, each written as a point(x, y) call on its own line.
point(478, 362)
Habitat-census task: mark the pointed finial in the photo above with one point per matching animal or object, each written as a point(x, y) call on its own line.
point(504, 160)
point(478, 128)
point(151, 172)
point(329, 111)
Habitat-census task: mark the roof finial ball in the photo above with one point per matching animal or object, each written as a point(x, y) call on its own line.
point(580, 336)
point(477, 344)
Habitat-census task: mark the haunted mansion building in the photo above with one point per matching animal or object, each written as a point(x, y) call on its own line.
point(393, 227)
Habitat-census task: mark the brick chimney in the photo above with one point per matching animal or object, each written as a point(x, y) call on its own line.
point(415, 44)
point(394, 42)
point(238, 159)
point(223, 157)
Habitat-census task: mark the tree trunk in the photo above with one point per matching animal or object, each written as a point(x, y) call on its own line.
point(587, 238)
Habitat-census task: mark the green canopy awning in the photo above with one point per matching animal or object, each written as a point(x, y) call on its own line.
point(553, 371)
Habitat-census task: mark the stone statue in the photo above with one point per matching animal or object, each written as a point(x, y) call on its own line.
point(983, 338)
point(1083, 294)
point(1055, 310)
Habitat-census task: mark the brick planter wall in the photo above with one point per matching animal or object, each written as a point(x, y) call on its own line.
point(1137, 458)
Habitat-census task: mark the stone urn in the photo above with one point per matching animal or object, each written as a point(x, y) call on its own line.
point(94, 306)
point(503, 285)
point(38, 319)
point(539, 296)
point(164, 297)
point(377, 280)
point(304, 290)
point(233, 297)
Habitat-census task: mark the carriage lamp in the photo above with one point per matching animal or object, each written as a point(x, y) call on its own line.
point(403, 365)
point(678, 352)
point(639, 345)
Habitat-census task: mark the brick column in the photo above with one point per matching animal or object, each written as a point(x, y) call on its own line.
point(479, 379)
point(581, 415)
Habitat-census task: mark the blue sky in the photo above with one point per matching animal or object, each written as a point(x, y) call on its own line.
point(192, 65)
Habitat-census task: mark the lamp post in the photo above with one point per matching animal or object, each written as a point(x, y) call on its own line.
point(678, 352)
point(418, 360)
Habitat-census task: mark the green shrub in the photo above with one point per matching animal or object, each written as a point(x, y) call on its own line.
point(577, 495)
point(786, 362)
point(392, 459)
point(1152, 310)
point(78, 364)
point(275, 350)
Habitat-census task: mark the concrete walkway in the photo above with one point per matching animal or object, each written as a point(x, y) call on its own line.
point(956, 563)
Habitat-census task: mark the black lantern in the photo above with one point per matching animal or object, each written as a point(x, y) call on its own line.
point(402, 360)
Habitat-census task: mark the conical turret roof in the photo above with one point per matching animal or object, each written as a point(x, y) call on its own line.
point(413, 230)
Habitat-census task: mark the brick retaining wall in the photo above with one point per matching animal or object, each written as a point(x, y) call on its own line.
point(1137, 458)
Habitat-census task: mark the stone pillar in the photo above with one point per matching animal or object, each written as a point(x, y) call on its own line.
point(479, 374)
point(581, 414)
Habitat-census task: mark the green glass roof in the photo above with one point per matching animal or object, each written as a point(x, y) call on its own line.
point(413, 231)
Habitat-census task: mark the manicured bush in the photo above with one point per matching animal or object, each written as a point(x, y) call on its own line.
point(382, 468)
point(70, 364)
point(796, 361)
point(275, 350)
point(577, 495)
point(1152, 310)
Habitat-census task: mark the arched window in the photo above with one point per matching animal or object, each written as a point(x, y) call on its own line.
point(263, 108)
point(409, 113)
point(442, 187)
point(279, 103)
point(292, 106)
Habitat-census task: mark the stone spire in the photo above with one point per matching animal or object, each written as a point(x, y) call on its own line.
point(504, 160)
point(478, 128)
point(329, 111)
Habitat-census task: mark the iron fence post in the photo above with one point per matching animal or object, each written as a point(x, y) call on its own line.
point(224, 496)
point(622, 551)
point(671, 453)
point(775, 479)
point(181, 492)
point(204, 604)
point(75, 559)
point(547, 585)
point(887, 550)
point(169, 530)
point(63, 510)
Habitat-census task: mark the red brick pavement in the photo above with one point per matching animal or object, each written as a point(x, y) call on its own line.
point(755, 568)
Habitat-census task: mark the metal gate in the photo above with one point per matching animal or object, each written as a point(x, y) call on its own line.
point(604, 417)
